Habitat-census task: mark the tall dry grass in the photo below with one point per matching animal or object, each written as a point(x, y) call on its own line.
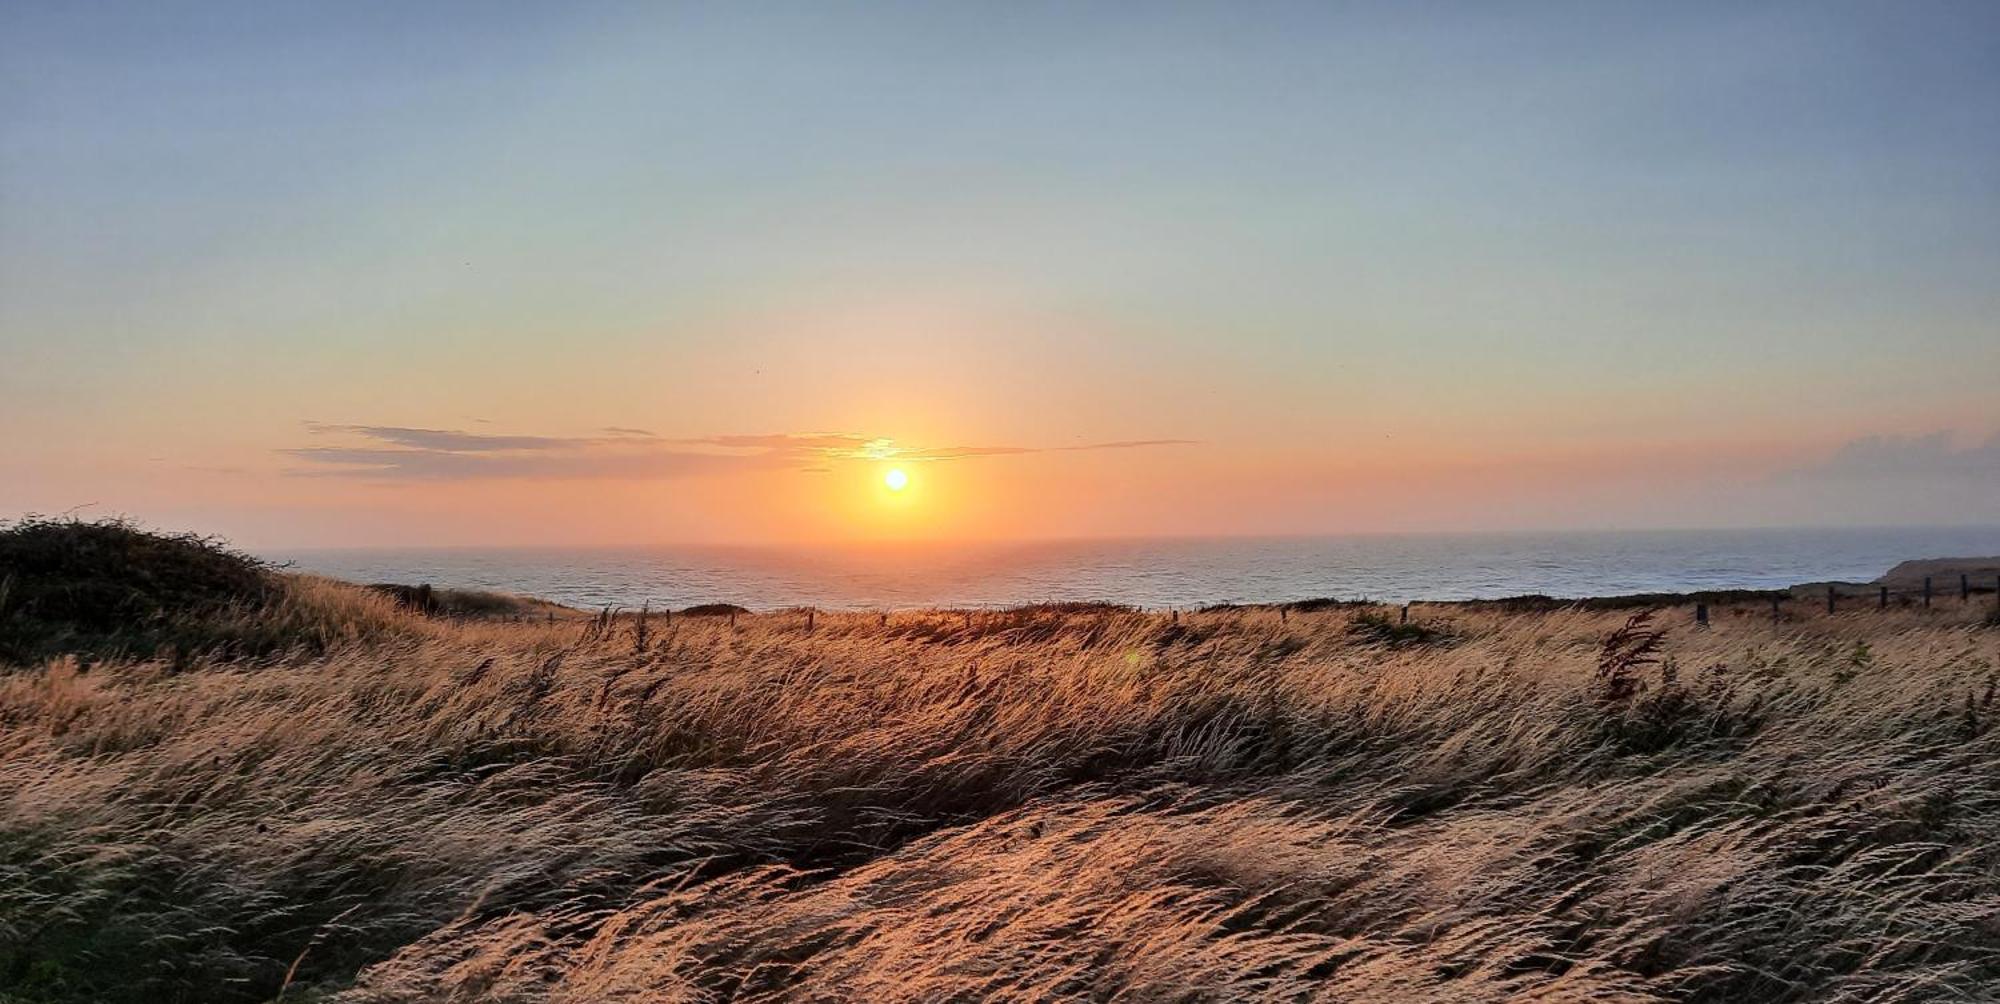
point(1039, 806)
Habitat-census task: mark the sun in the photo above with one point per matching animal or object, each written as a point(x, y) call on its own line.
point(896, 479)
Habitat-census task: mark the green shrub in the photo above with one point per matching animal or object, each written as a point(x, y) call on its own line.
point(109, 587)
point(1378, 629)
point(714, 610)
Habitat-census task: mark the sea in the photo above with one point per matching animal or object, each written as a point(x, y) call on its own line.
point(1166, 572)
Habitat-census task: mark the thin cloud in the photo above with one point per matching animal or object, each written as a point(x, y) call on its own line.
point(829, 444)
point(1927, 457)
point(402, 453)
point(439, 465)
point(452, 440)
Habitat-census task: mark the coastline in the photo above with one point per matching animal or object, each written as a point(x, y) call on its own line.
point(1908, 583)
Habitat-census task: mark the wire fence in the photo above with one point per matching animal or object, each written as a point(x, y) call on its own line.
point(1967, 589)
point(1859, 597)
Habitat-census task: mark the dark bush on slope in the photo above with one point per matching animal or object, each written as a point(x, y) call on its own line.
point(109, 587)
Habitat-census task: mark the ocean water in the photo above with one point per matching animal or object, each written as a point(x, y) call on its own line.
point(1158, 573)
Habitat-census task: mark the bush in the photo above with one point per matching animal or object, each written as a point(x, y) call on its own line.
point(1319, 603)
point(1543, 603)
point(107, 587)
point(714, 610)
point(466, 604)
point(1378, 629)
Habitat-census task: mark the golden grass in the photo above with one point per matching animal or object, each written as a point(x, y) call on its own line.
point(1056, 806)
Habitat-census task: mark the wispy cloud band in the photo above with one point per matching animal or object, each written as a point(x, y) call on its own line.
point(403, 453)
point(1936, 455)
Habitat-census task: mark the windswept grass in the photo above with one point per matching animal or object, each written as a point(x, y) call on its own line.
point(1086, 804)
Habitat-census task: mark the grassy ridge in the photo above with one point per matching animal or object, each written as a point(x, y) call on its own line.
point(1048, 804)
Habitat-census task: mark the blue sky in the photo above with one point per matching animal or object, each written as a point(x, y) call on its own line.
point(1293, 233)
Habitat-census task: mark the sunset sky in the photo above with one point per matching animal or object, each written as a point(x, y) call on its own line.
point(331, 274)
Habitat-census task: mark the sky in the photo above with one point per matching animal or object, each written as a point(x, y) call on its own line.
point(607, 274)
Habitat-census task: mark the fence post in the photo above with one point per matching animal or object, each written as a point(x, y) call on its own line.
point(1406, 614)
point(1964, 588)
point(1701, 615)
point(1283, 616)
point(809, 620)
point(1776, 614)
point(1927, 592)
point(732, 620)
point(1829, 599)
point(1883, 602)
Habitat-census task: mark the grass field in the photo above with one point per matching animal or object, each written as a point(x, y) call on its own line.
point(1039, 805)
